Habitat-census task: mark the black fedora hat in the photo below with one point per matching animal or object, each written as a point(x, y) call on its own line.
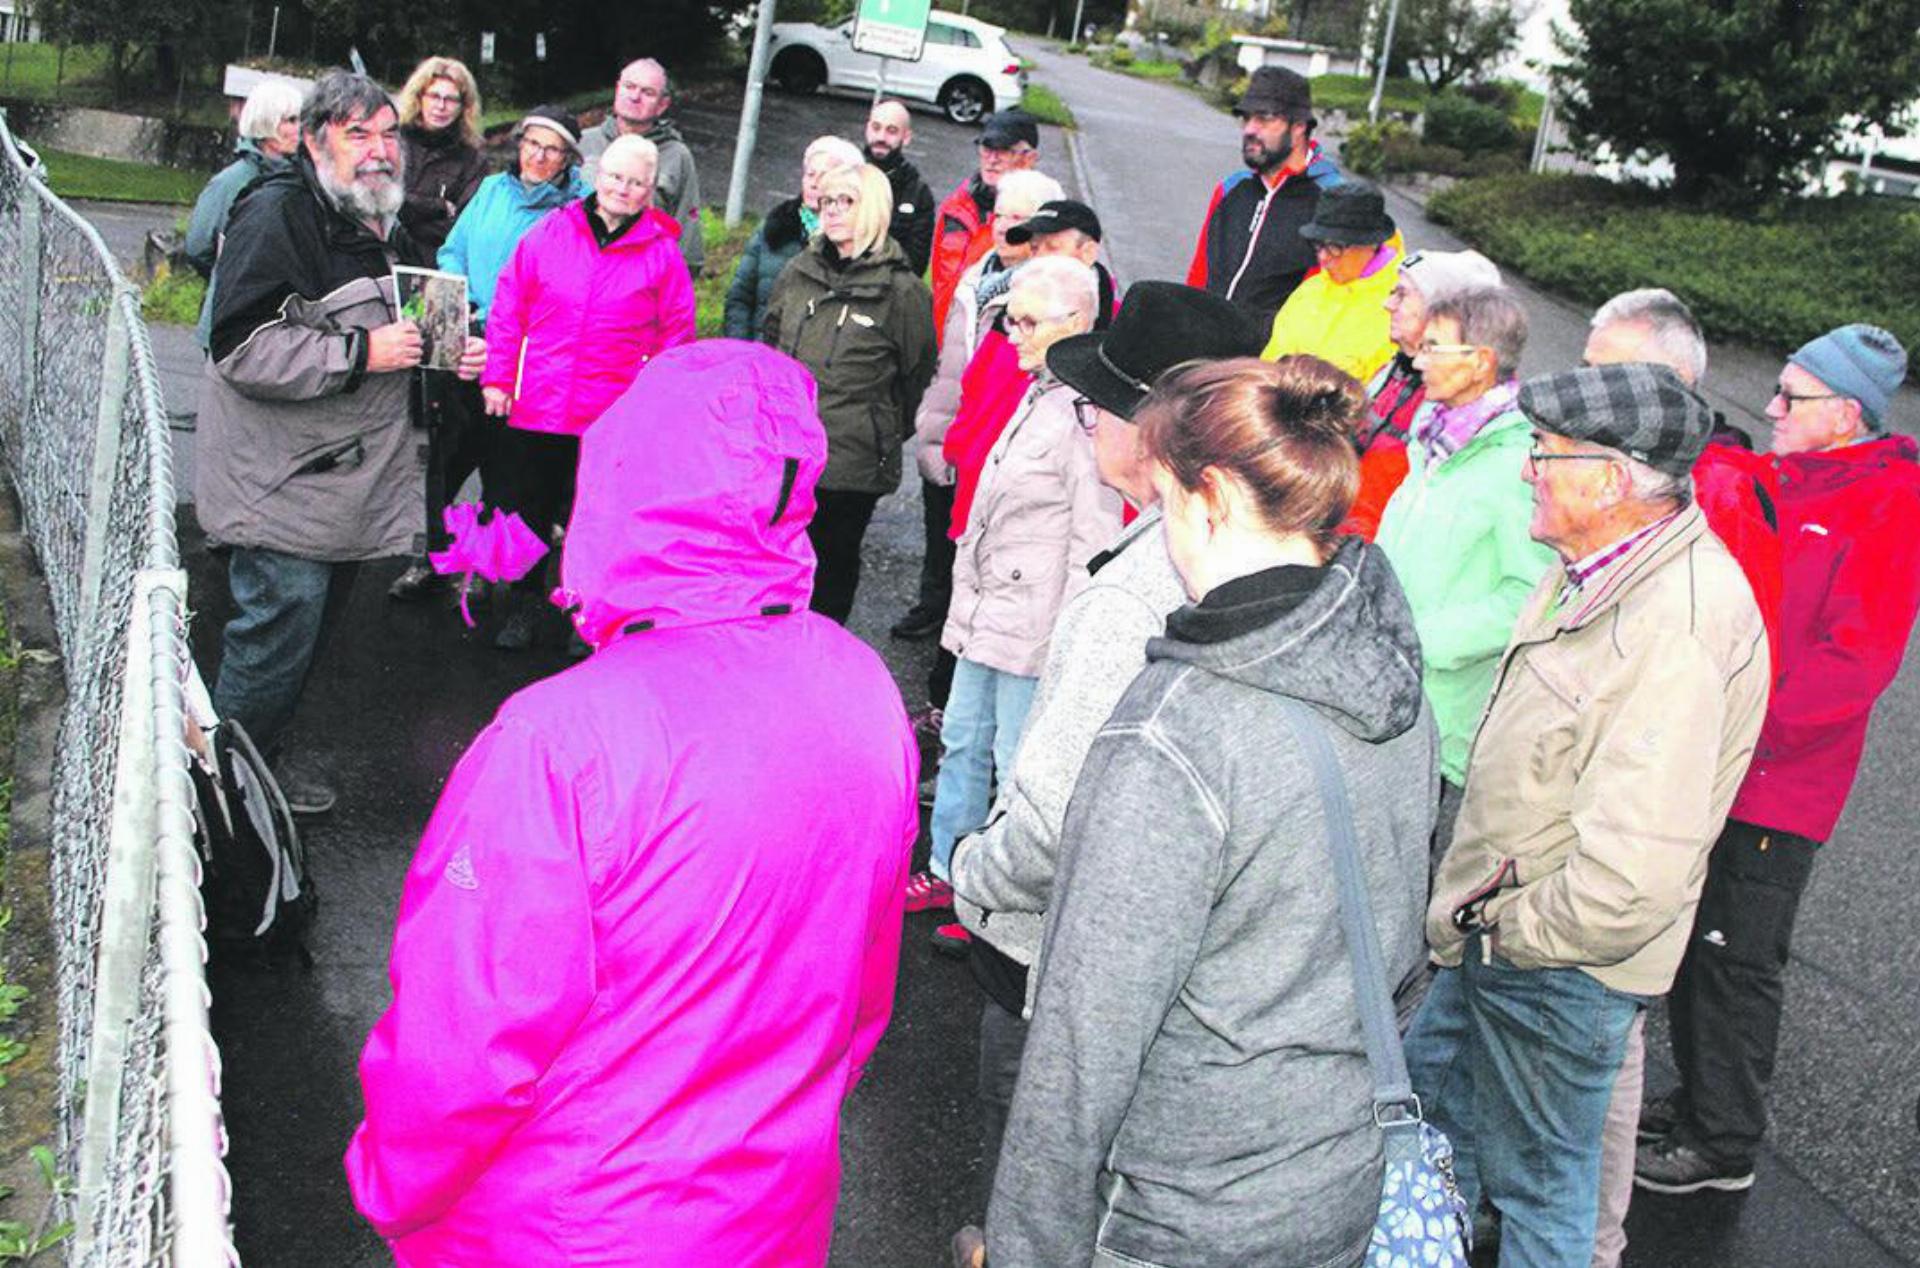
point(1160, 325)
point(1350, 214)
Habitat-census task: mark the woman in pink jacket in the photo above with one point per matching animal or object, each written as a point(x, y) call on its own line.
point(591, 294)
point(649, 940)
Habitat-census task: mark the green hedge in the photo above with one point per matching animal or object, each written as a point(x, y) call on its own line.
point(1775, 279)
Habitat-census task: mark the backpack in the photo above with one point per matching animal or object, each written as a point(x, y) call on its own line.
point(259, 898)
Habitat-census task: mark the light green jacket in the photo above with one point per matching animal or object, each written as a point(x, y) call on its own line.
point(1457, 536)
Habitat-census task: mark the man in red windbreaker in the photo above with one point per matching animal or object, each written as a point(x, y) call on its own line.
point(1847, 497)
point(1009, 141)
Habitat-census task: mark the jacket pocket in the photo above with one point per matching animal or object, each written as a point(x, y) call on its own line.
point(334, 457)
point(1020, 586)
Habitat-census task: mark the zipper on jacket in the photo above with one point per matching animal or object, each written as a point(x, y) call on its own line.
point(1253, 233)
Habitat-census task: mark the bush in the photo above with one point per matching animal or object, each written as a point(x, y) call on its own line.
point(1775, 279)
point(174, 298)
point(1044, 104)
point(1466, 125)
point(1364, 150)
point(1496, 94)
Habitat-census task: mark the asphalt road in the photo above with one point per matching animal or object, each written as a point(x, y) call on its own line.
point(403, 689)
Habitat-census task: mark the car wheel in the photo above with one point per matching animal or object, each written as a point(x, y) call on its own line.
point(966, 100)
point(799, 71)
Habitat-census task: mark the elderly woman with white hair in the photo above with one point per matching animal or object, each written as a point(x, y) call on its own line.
point(1039, 514)
point(269, 128)
point(781, 236)
point(851, 309)
point(592, 293)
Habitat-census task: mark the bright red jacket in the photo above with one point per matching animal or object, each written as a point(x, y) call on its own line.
point(961, 236)
point(990, 392)
point(1849, 530)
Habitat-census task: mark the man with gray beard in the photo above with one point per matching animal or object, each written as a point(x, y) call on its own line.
point(307, 457)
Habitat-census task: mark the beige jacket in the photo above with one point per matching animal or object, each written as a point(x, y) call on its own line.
point(1619, 728)
point(1039, 515)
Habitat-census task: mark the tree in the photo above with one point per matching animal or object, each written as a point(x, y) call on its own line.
point(1744, 97)
point(1453, 40)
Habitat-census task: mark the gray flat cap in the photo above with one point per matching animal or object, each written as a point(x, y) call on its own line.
point(1642, 410)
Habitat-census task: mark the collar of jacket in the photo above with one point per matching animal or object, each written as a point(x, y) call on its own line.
point(642, 229)
point(783, 224)
point(1836, 468)
point(1128, 536)
point(440, 139)
point(867, 276)
point(1604, 590)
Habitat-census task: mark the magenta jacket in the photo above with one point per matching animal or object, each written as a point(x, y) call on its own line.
point(572, 323)
point(650, 937)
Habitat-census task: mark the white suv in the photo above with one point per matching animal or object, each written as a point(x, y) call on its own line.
point(966, 68)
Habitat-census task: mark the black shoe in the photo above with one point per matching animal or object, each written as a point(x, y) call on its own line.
point(306, 793)
point(1659, 1117)
point(918, 625)
point(516, 632)
point(1673, 1166)
point(417, 582)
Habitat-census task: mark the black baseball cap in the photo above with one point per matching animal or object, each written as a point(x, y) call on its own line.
point(1005, 129)
point(1056, 217)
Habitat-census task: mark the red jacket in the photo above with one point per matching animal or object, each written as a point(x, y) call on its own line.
point(990, 392)
point(1849, 531)
point(962, 235)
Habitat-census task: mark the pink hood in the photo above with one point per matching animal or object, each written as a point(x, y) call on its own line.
point(650, 936)
point(695, 491)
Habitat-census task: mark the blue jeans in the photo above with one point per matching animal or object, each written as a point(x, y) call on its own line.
point(287, 607)
point(1517, 1067)
point(979, 734)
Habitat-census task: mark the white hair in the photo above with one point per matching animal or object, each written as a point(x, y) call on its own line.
point(638, 146)
point(271, 102)
point(1673, 334)
point(1067, 281)
point(1651, 485)
point(844, 152)
point(1027, 183)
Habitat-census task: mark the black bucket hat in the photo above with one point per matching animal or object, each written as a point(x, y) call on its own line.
point(1160, 325)
point(1350, 214)
point(1276, 90)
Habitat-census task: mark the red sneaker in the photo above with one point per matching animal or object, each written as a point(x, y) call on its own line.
point(926, 891)
point(952, 940)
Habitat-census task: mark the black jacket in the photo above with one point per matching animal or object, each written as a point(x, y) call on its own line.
point(443, 171)
point(913, 210)
point(1252, 250)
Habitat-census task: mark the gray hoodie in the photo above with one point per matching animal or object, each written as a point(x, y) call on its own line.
point(1195, 1089)
point(676, 184)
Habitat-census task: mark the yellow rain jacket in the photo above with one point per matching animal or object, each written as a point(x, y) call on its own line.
point(1345, 325)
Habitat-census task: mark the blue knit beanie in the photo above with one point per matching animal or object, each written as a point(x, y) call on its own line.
point(1860, 361)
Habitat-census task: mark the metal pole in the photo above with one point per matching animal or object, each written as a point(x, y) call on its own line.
point(273, 33)
point(1540, 137)
point(880, 81)
point(1386, 56)
point(750, 114)
point(1079, 11)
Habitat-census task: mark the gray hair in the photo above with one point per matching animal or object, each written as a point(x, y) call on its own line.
point(666, 80)
point(1488, 318)
point(1070, 283)
point(1673, 339)
point(1651, 485)
point(271, 101)
point(844, 151)
point(340, 96)
point(1038, 186)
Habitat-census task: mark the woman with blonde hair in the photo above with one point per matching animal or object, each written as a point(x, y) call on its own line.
point(440, 134)
point(851, 309)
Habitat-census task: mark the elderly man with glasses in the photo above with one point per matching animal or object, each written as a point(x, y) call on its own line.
point(1846, 495)
point(1009, 141)
point(1623, 717)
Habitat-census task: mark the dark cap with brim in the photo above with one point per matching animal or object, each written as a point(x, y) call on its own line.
point(1276, 90)
point(1056, 217)
point(1160, 325)
point(1005, 129)
point(1350, 214)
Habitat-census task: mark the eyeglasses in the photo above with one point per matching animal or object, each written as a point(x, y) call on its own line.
point(626, 182)
point(1447, 349)
point(1332, 248)
point(446, 98)
point(1794, 398)
point(543, 150)
point(1539, 457)
point(839, 202)
point(1023, 327)
point(1007, 154)
point(1086, 414)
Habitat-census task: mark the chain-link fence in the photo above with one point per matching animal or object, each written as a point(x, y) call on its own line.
point(83, 434)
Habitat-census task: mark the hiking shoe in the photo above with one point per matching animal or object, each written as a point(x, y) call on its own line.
point(1659, 1117)
point(928, 788)
point(918, 625)
point(305, 792)
point(951, 941)
point(970, 1248)
point(516, 632)
point(1673, 1166)
point(417, 582)
point(925, 891)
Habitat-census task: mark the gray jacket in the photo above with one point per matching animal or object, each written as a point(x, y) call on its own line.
point(676, 184)
point(1003, 874)
point(1195, 1089)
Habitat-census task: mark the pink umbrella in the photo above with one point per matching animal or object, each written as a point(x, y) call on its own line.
point(499, 548)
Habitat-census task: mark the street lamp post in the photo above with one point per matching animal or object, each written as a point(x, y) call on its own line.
point(750, 114)
point(1386, 55)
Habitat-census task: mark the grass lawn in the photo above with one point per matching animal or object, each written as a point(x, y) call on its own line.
point(29, 70)
point(82, 176)
point(1774, 279)
point(724, 246)
point(174, 298)
point(1044, 104)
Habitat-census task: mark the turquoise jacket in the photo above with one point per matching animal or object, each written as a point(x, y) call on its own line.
point(491, 226)
point(1457, 535)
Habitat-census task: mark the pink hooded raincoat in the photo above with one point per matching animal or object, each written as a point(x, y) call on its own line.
point(650, 937)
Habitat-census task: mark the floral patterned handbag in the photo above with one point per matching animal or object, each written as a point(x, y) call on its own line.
point(1423, 1221)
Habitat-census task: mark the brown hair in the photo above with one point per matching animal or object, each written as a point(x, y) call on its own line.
point(1284, 428)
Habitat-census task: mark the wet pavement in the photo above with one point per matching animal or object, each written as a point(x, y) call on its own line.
point(404, 688)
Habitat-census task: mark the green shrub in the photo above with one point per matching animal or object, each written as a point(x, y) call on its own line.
point(1775, 278)
point(174, 298)
point(724, 246)
point(1044, 104)
point(1467, 126)
point(1364, 150)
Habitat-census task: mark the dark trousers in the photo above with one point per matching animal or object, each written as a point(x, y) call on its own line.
point(286, 608)
point(458, 430)
point(1003, 1038)
point(936, 563)
point(532, 474)
point(1727, 1000)
point(839, 525)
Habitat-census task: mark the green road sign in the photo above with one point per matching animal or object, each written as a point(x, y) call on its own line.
point(891, 28)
